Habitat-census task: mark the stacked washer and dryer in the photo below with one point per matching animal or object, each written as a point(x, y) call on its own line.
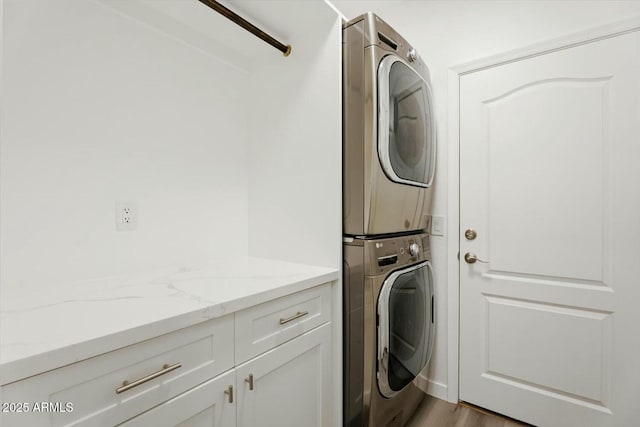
point(388, 168)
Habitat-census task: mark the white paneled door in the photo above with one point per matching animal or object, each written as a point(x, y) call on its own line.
point(550, 183)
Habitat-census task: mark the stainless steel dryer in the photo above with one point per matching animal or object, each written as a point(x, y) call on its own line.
point(388, 131)
point(389, 327)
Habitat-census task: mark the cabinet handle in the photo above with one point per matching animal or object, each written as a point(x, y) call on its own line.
point(229, 392)
point(249, 381)
point(126, 385)
point(294, 317)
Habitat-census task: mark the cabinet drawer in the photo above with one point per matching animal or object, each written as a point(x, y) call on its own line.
point(190, 356)
point(206, 405)
point(267, 325)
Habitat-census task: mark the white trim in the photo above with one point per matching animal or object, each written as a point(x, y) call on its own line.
point(453, 189)
point(552, 45)
point(453, 224)
point(437, 389)
point(343, 18)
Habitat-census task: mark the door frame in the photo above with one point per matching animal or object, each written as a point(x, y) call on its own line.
point(453, 178)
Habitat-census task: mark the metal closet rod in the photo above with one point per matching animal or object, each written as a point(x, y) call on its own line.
point(232, 16)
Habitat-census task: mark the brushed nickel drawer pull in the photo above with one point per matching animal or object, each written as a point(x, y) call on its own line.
point(229, 392)
point(126, 385)
point(294, 317)
point(249, 381)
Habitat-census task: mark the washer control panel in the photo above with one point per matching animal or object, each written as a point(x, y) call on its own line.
point(390, 253)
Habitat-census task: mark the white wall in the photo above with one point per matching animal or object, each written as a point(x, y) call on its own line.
point(97, 107)
point(448, 33)
point(295, 150)
point(167, 104)
point(295, 166)
point(227, 147)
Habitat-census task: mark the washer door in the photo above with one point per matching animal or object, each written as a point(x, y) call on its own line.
point(406, 128)
point(405, 327)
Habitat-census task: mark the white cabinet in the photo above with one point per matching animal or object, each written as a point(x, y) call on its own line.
point(264, 326)
point(93, 387)
point(180, 379)
point(288, 386)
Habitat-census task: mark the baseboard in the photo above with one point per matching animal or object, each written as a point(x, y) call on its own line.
point(436, 389)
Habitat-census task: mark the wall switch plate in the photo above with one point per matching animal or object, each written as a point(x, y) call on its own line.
point(126, 216)
point(438, 225)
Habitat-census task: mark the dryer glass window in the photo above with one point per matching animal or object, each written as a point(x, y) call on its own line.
point(407, 339)
point(410, 125)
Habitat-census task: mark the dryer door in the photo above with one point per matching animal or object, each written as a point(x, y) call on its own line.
point(405, 327)
point(406, 129)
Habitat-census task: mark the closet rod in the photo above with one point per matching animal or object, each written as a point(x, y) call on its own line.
point(213, 4)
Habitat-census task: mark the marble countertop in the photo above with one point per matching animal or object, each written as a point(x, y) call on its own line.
point(49, 330)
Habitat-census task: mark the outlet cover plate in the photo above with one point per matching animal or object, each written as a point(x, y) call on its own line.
point(438, 225)
point(126, 216)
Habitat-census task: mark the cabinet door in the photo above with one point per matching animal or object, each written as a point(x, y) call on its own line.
point(289, 385)
point(204, 406)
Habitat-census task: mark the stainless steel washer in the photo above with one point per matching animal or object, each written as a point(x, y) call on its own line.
point(388, 131)
point(389, 327)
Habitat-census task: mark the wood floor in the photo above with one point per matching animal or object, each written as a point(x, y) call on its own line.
point(434, 412)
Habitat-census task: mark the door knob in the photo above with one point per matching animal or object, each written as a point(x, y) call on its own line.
point(471, 258)
point(470, 234)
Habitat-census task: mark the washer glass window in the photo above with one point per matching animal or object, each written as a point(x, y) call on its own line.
point(405, 327)
point(407, 133)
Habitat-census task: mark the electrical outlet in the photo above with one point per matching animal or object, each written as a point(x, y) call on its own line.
point(126, 216)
